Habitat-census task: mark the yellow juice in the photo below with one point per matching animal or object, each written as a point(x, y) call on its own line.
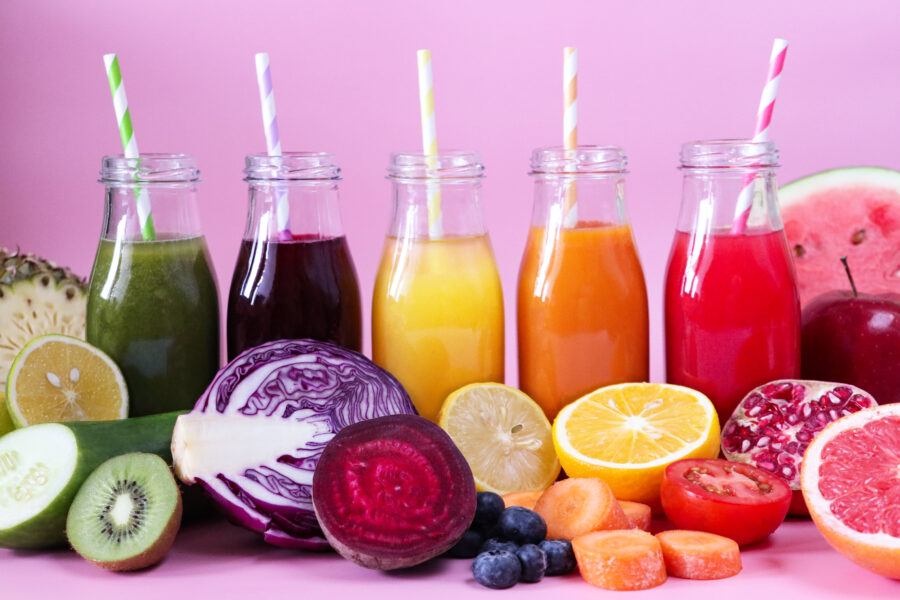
point(437, 316)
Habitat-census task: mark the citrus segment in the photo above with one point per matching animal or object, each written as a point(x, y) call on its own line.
point(57, 378)
point(504, 435)
point(850, 478)
point(699, 555)
point(626, 434)
point(628, 559)
point(576, 506)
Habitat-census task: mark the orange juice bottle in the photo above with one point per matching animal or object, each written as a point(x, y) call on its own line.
point(437, 310)
point(582, 301)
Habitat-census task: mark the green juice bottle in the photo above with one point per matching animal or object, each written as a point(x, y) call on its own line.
point(153, 305)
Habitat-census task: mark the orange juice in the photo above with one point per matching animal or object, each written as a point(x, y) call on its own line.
point(437, 316)
point(582, 313)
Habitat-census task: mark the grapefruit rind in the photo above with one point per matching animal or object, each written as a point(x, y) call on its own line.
point(877, 552)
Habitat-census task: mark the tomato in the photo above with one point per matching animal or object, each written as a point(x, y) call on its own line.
point(733, 499)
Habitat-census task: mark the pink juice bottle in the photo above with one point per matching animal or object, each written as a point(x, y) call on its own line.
point(732, 309)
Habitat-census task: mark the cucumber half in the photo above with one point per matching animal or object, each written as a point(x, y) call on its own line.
point(43, 466)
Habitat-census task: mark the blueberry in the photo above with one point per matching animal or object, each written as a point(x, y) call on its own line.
point(522, 526)
point(534, 563)
point(497, 570)
point(468, 546)
point(487, 511)
point(495, 545)
point(560, 557)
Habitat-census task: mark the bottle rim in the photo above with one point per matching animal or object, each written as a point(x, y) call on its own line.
point(729, 154)
point(149, 167)
point(446, 165)
point(292, 166)
point(581, 161)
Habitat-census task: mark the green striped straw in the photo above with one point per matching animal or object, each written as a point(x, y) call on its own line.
point(129, 141)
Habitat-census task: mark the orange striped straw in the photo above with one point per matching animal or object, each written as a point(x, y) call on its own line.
point(570, 125)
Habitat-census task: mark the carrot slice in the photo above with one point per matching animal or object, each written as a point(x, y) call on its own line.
point(626, 559)
point(523, 499)
point(576, 506)
point(699, 555)
point(639, 515)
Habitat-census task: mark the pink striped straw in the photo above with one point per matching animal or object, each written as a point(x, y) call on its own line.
point(763, 125)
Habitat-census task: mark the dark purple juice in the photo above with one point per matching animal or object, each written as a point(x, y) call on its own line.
point(301, 288)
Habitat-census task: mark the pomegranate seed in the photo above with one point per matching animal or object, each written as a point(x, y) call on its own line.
point(832, 398)
point(807, 411)
point(803, 435)
point(754, 411)
point(843, 392)
point(745, 445)
point(767, 465)
point(763, 441)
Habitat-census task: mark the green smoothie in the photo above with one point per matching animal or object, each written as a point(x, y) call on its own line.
point(154, 308)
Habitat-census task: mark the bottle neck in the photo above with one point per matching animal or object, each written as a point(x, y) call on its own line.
point(579, 200)
point(710, 198)
point(172, 205)
point(280, 209)
point(458, 202)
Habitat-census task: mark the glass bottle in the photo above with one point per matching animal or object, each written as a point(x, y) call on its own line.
point(294, 276)
point(731, 306)
point(582, 300)
point(153, 305)
point(437, 311)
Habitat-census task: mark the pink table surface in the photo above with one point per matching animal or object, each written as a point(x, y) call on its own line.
point(217, 559)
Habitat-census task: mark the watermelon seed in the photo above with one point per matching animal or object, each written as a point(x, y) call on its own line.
point(799, 251)
point(858, 237)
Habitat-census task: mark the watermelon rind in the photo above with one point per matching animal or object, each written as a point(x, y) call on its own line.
point(799, 189)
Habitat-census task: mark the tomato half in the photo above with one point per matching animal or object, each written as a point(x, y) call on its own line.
point(733, 499)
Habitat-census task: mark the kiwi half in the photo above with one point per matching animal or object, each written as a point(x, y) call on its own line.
point(126, 514)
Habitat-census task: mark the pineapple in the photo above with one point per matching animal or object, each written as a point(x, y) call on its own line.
point(36, 297)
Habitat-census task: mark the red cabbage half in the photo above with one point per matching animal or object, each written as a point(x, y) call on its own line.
point(256, 434)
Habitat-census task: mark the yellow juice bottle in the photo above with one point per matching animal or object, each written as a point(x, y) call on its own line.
point(437, 310)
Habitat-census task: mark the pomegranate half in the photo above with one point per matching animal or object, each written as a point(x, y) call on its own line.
point(775, 423)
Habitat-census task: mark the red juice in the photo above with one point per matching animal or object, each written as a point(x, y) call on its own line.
point(305, 287)
point(732, 314)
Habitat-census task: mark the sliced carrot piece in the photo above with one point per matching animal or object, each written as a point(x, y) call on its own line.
point(523, 499)
point(639, 515)
point(699, 555)
point(576, 506)
point(625, 559)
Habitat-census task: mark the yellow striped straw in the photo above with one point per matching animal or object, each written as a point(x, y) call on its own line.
point(570, 125)
point(429, 140)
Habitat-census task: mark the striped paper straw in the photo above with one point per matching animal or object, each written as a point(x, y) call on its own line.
point(273, 140)
point(570, 125)
point(129, 141)
point(429, 140)
point(763, 126)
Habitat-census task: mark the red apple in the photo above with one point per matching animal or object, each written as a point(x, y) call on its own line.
point(854, 338)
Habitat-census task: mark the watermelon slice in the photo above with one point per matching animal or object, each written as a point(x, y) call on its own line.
point(853, 212)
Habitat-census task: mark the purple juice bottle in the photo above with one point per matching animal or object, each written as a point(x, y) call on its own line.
point(294, 276)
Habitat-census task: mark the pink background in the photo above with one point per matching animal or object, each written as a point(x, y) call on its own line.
point(652, 75)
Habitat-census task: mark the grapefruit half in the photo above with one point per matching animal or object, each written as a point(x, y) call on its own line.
point(851, 482)
point(853, 212)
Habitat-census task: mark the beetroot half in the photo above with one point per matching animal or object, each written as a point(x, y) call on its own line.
point(393, 492)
